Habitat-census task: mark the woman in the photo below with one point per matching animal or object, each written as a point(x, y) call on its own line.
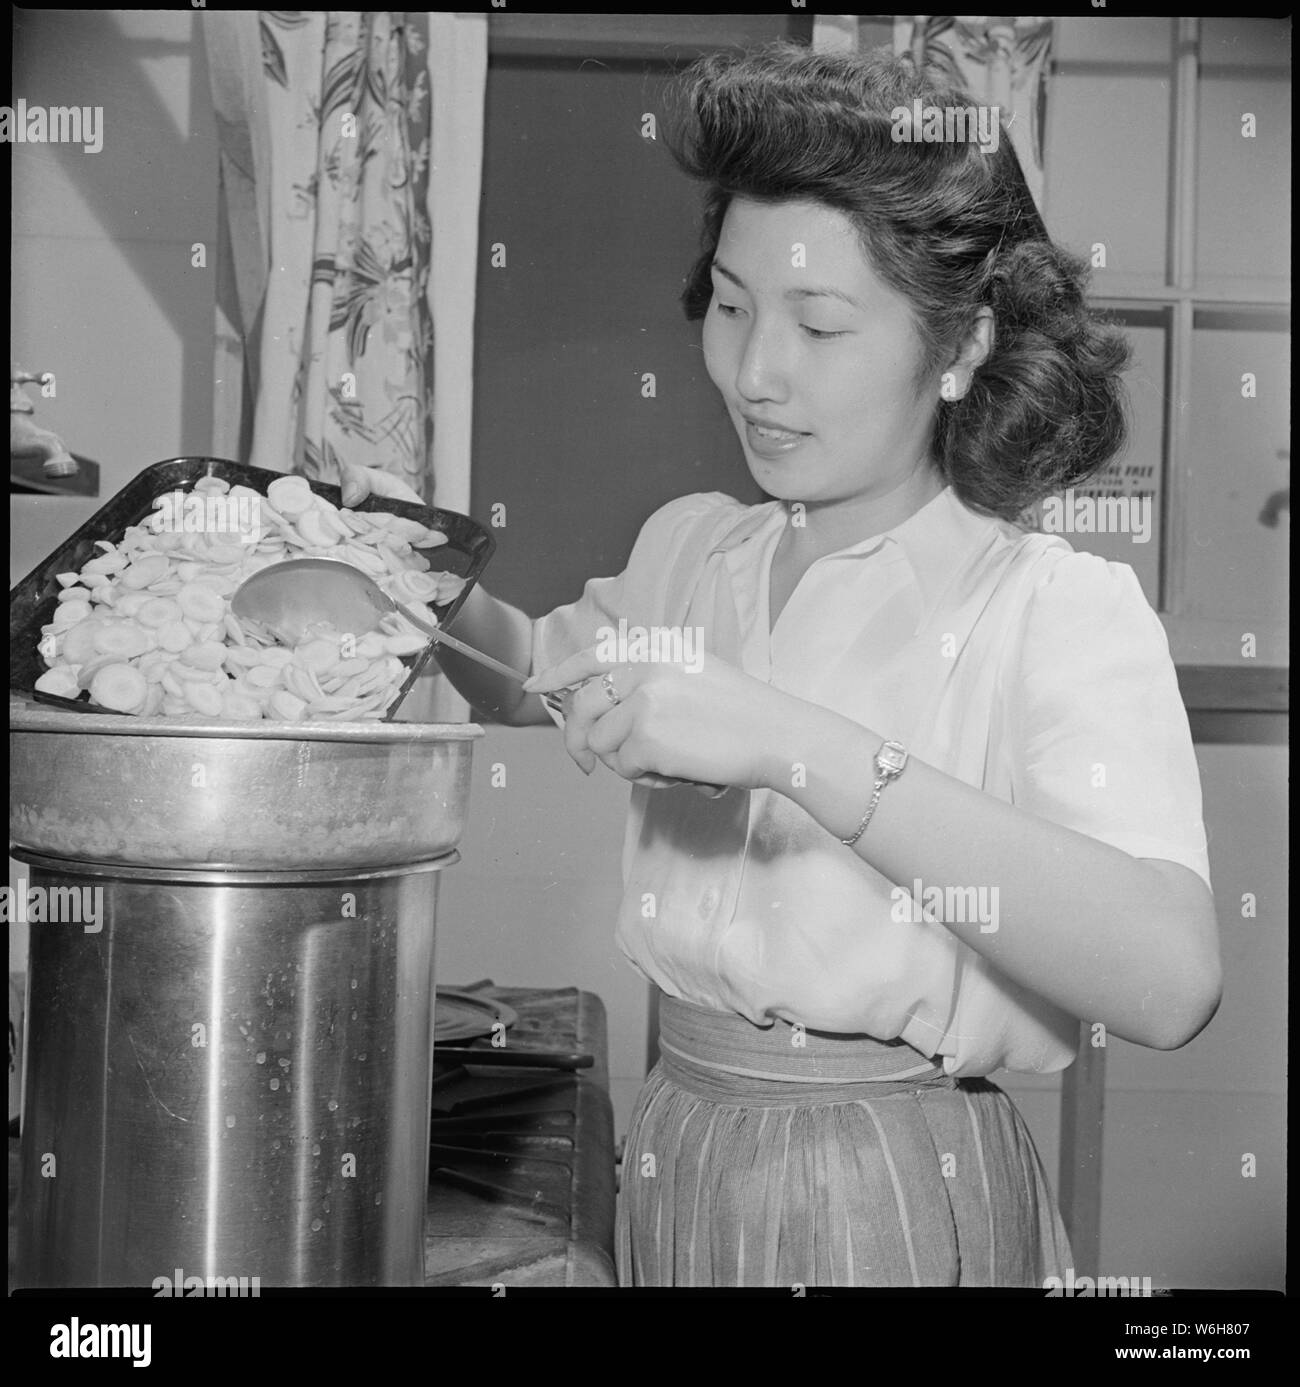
point(961, 807)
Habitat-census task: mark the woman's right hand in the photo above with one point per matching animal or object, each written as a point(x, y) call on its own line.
point(359, 482)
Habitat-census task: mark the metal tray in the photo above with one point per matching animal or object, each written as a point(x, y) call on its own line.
point(31, 604)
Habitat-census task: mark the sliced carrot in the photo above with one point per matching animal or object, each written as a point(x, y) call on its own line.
point(408, 530)
point(290, 495)
point(68, 614)
point(119, 687)
point(86, 672)
point(266, 676)
point(188, 674)
point(424, 612)
point(123, 638)
point(150, 568)
point(175, 635)
point(287, 707)
point(331, 518)
point(259, 693)
point(239, 708)
point(111, 562)
point(79, 641)
point(329, 703)
point(158, 612)
point(315, 532)
point(60, 681)
point(200, 603)
point(208, 655)
point(450, 587)
point(225, 551)
point(319, 656)
point(405, 645)
point(302, 682)
point(130, 603)
point(363, 557)
point(412, 586)
point(204, 698)
point(243, 656)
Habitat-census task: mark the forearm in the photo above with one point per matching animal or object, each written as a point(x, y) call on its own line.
point(503, 631)
point(1096, 931)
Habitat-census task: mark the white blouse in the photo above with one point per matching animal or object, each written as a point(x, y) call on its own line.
point(1001, 658)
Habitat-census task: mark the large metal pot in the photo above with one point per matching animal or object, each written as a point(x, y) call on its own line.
point(249, 796)
point(228, 1074)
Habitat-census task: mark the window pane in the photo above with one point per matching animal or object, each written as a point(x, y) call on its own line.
point(1106, 169)
point(1104, 39)
point(1237, 474)
point(1254, 42)
point(1243, 204)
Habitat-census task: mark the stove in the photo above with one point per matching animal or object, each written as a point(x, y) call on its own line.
point(521, 1160)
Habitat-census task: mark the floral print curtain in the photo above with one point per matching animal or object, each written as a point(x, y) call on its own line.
point(1000, 59)
point(326, 122)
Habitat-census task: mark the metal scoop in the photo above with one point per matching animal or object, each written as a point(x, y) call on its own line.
point(291, 597)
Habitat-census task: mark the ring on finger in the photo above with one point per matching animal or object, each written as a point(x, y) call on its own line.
point(607, 683)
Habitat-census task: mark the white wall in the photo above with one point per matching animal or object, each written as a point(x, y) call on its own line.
point(103, 292)
point(533, 900)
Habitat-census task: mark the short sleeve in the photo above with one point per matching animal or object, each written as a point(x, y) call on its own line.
point(670, 541)
point(1099, 735)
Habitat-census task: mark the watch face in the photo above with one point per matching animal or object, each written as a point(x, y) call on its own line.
point(892, 758)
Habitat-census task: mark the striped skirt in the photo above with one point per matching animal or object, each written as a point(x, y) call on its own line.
point(776, 1157)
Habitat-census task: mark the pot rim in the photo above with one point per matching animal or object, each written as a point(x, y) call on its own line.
point(31, 717)
point(220, 876)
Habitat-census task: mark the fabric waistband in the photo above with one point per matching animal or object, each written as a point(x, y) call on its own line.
point(731, 1056)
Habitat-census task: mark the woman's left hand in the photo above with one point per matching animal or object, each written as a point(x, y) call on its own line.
point(713, 724)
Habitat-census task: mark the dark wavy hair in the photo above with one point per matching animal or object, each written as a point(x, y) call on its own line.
point(948, 227)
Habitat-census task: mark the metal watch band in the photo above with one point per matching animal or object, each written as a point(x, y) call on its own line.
point(890, 761)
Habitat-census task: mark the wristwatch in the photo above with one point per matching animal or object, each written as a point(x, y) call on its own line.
point(891, 761)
